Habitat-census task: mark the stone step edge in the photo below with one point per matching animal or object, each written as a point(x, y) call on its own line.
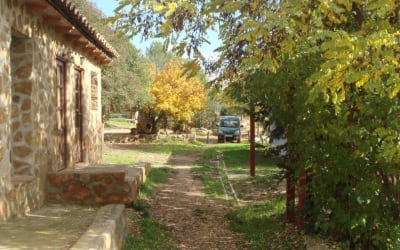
point(107, 231)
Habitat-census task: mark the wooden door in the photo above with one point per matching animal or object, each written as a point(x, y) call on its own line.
point(78, 116)
point(61, 135)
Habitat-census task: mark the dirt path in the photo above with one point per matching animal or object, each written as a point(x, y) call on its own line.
point(195, 221)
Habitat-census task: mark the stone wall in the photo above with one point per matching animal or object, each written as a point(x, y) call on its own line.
point(28, 96)
point(5, 92)
point(21, 114)
point(89, 189)
point(97, 185)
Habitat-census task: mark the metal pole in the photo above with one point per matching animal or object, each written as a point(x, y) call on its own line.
point(252, 143)
point(302, 197)
point(290, 198)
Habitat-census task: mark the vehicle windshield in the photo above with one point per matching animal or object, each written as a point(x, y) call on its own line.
point(230, 123)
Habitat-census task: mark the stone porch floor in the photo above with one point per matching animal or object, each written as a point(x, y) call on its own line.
point(72, 225)
point(51, 227)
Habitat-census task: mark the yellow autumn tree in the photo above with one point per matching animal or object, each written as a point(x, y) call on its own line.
point(175, 94)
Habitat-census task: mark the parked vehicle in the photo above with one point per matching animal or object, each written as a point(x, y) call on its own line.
point(229, 129)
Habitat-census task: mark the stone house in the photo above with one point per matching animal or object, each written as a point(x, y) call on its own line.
point(50, 91)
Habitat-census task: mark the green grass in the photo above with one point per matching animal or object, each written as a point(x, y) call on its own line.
point(168, 146)
point(131, 154)
point(155, 177)
point(236, 158)
point(153, 235)
point(208, 175)
point(255, 220)
point(118, 122)
point(237, 161)
point(263, 226)
point(116, 154)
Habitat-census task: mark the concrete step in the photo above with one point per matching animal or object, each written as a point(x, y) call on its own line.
point(66, 226)
point(52, 227)
point(108, 230)
point(97, 184)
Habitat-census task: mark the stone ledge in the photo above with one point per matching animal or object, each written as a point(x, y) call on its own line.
point(107, 231)
point(97, 184)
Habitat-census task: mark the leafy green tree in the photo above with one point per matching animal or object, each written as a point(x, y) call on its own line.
point(156, 54)
point(208, 118)
point(125, 81)
point(327, 72)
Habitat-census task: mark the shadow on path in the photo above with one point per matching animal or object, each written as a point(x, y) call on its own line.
point(195, 221)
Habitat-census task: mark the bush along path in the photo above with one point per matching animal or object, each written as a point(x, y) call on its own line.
point(194, 221)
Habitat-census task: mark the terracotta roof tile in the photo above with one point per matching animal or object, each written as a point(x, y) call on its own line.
point(73, 15)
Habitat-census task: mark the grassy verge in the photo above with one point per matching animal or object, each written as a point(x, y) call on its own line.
point(236, 158)
point(114, 155)
point(209, 176)
point(264, 226)
point(120, 123)
point(148, 233)
point(151, 234)
point(262, 219)
point(123, 153)
point(174, 147)
point(155, 177)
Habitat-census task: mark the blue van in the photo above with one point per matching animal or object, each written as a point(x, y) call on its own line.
point(229, 129)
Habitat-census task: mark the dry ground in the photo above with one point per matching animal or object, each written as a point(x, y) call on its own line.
point(193, 220)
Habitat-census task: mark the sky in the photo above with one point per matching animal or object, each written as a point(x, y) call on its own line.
point(108, 6)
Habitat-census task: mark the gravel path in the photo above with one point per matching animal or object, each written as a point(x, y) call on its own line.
point(195, 221)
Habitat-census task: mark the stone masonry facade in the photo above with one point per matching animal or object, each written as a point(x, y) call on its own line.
point(97, 185)
point(31, 142)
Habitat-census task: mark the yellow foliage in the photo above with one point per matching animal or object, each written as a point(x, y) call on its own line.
point(152, 70)
point(177, 95)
